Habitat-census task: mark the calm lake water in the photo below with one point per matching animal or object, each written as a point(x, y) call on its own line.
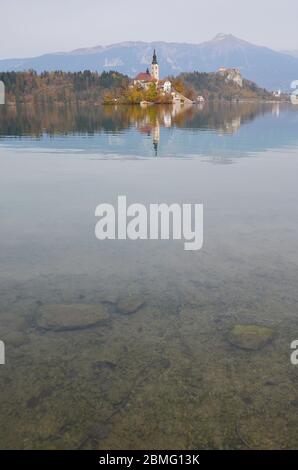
point(162, 368)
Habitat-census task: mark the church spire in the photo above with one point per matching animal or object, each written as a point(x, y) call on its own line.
point(154, 60)
point(155, 67)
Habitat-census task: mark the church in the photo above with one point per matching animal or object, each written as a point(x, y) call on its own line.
point(145, 79)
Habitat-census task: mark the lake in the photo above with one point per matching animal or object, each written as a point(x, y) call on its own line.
point(191, 350)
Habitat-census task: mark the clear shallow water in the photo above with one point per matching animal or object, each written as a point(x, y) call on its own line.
point(168, 375)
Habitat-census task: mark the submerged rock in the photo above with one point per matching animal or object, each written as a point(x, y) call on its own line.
point(250, 337)
point(104, 365)
point(37, 399)
point(129, 305)
point(63, 317)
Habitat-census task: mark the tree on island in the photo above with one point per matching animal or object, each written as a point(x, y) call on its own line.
point(152, 94)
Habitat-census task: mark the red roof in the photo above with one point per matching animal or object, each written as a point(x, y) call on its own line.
point(144, 77)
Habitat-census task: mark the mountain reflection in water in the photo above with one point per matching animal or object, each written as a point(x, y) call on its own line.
point(220, 131)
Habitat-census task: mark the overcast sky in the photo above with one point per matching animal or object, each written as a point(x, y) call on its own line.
point(33, 27)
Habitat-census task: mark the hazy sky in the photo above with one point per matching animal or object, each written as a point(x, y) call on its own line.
point(32, 27)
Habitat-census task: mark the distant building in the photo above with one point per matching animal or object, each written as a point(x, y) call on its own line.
point(231, 75)
point(294, 97)
point(277, 94)
point(165, 86)
point(155, 67)
point(145, 79)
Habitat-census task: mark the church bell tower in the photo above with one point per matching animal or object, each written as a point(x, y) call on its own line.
point(155, 67)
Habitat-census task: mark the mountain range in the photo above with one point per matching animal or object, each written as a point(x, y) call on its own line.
point(292, 53)
point(268, 68)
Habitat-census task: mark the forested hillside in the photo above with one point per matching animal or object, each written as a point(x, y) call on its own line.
point(215, 87)
point(49, 87)
point(110, 87)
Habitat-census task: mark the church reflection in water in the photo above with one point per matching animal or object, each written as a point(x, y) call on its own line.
point(224, 119)
point(168, 130)
point(162, 116)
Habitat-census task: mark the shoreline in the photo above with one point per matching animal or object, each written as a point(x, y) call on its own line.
point(149, 104)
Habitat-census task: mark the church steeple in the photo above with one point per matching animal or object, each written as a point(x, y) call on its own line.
point(154, 60)
point(155, 67)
